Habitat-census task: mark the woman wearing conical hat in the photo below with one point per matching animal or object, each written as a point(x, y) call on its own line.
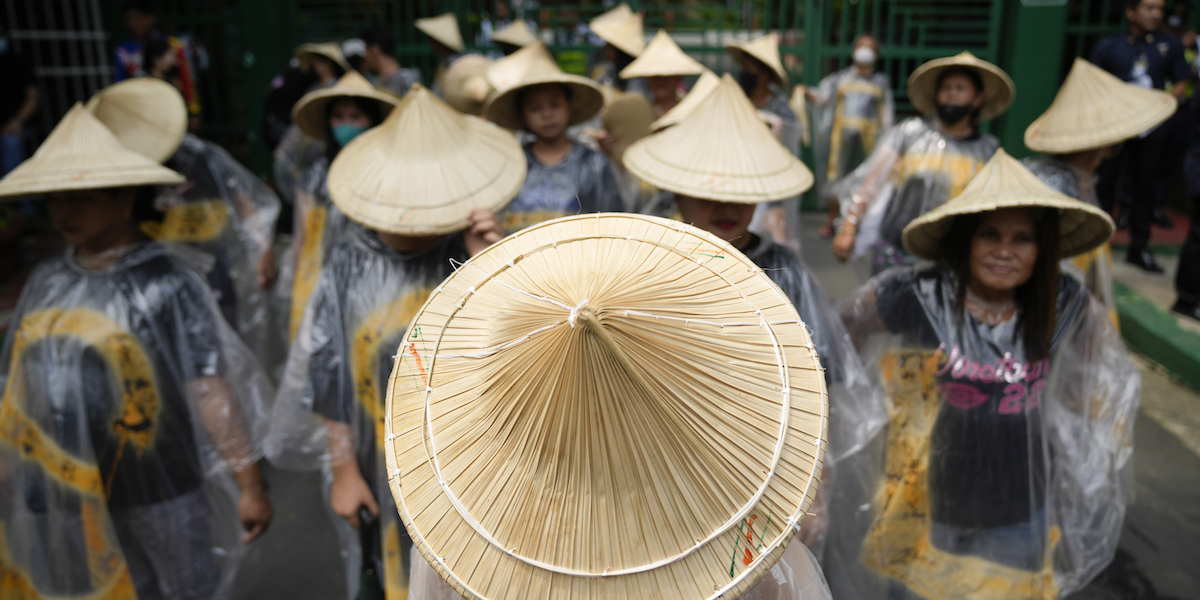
point(423, 206)
point(621, 31)
point(446, 41)
point(335, 116)
point(1004, 470)
point(923, 161)
point(1092, 112)
point(564, 177)
point(223, 210)
point(131, 415)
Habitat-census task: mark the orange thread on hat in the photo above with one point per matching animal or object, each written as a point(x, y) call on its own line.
point(412, 350)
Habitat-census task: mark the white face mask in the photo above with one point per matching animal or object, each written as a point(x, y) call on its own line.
point(864, 55)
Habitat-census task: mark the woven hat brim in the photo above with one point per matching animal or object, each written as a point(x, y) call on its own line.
point(439, 443)
point(998, 87)
point(148, 115)
point(466, 87)
point(623, 32)
point(786, 182)
point(737, 48)
point(1082, 227)
point(37, 181)
point(439, 28)
point(306, 50)
point(586, 100)
point(662, 58)
point(309, 112)
point(514, 35)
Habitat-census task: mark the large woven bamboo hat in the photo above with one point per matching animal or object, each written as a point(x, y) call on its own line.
point(766, 50)
point(1005, 183)
point(82, 154)
point(444, 29)
point(662, 58)
point(601, 407)
point(622, 28)
point(330, 50)
point(309, 112)
point(705, 84)
point(148, 115)
point(627, 119)
point(466, 87)
point(425, 168)
point(1093, 109)
point(998, 88)
point(508, 71)
point(586, 97)
point(722, 151)
point(516, 33)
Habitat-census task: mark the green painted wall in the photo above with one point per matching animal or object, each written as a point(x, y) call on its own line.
point(1033, 44)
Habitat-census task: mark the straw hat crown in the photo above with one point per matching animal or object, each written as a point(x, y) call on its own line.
point(622, 28)
point(425, 168)
point(1094, 109)
point(466, 86)
point(82, 154)
point(1005, 183)
point(722, 151)
point(662, 58)
point(998, 88)
point(627, 119)
point(766, 50)
point(603, 407)
point(329, 50)
point(516, 33)
point(309, 112)
point(586, 97)
point(704, 86)
point(147, 115)
point(508, 71)
point(444, 29)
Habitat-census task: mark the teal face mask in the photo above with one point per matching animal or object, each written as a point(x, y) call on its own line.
point(344, 133)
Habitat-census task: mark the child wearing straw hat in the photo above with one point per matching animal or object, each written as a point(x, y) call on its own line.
point(923, 161)
point(446, 41)
point(131, 414)
point(564, 177)
point(424, 206)
point(1092, 112)
point(1005, 464)
point(335, 116)
point(621, 31)
point(663, 65)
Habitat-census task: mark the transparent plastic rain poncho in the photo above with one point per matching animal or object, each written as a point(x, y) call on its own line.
point(1093, 268)
point(849, 115)
point(781, 220)
point(583, 182)
point(294, 156)
point(400, 81)
point(127, 402)
point(338, 371)
point(225, 211)
point(997, 477)
point(914, 169)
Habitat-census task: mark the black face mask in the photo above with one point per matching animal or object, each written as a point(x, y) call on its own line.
point(748, 81)
point(950, 114)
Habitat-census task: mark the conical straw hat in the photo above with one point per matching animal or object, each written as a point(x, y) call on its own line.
point(799, 105)
point(1005, 183)
point(147, 115)
point(704, 86)
point(330, 50)
point(662, 58)
point(605, 407)
point(586, 97)
point(628, 120)
point(722, 151)
point(82, 154)
point(309, 112)
point(466, 87)
point(425, 169)
point(622, 28)
point(444, 29)
point(766, 50)
point(516, 33)
point(1093, 109)
point(998, 88)
point(508, 71)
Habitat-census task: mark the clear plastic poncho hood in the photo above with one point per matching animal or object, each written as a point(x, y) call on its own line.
point(997, 476)
point(127, 402)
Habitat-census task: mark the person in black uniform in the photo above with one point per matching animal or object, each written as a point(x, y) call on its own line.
point(1145, 56)
point(1187, 276)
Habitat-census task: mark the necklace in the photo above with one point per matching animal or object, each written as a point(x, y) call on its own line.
point(992, 313)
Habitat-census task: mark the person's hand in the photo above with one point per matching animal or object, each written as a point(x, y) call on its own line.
point(483, 230)
point(843, 245)
point(267, 268)
point(13, 127)
point(350, 492)
point(607, 141)
point(255, 512)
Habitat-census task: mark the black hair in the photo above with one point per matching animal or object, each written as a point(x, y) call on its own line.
point(369, 108)
point(1037, 297)
point(382, 37)
point(143, 6)
point(144, 207)
point(520, 99)
point(153, 50)
point(1132, 4)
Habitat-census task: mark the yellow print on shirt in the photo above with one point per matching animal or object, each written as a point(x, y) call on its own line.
point(310, 255)
point(190, 222)
point(956, 168)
